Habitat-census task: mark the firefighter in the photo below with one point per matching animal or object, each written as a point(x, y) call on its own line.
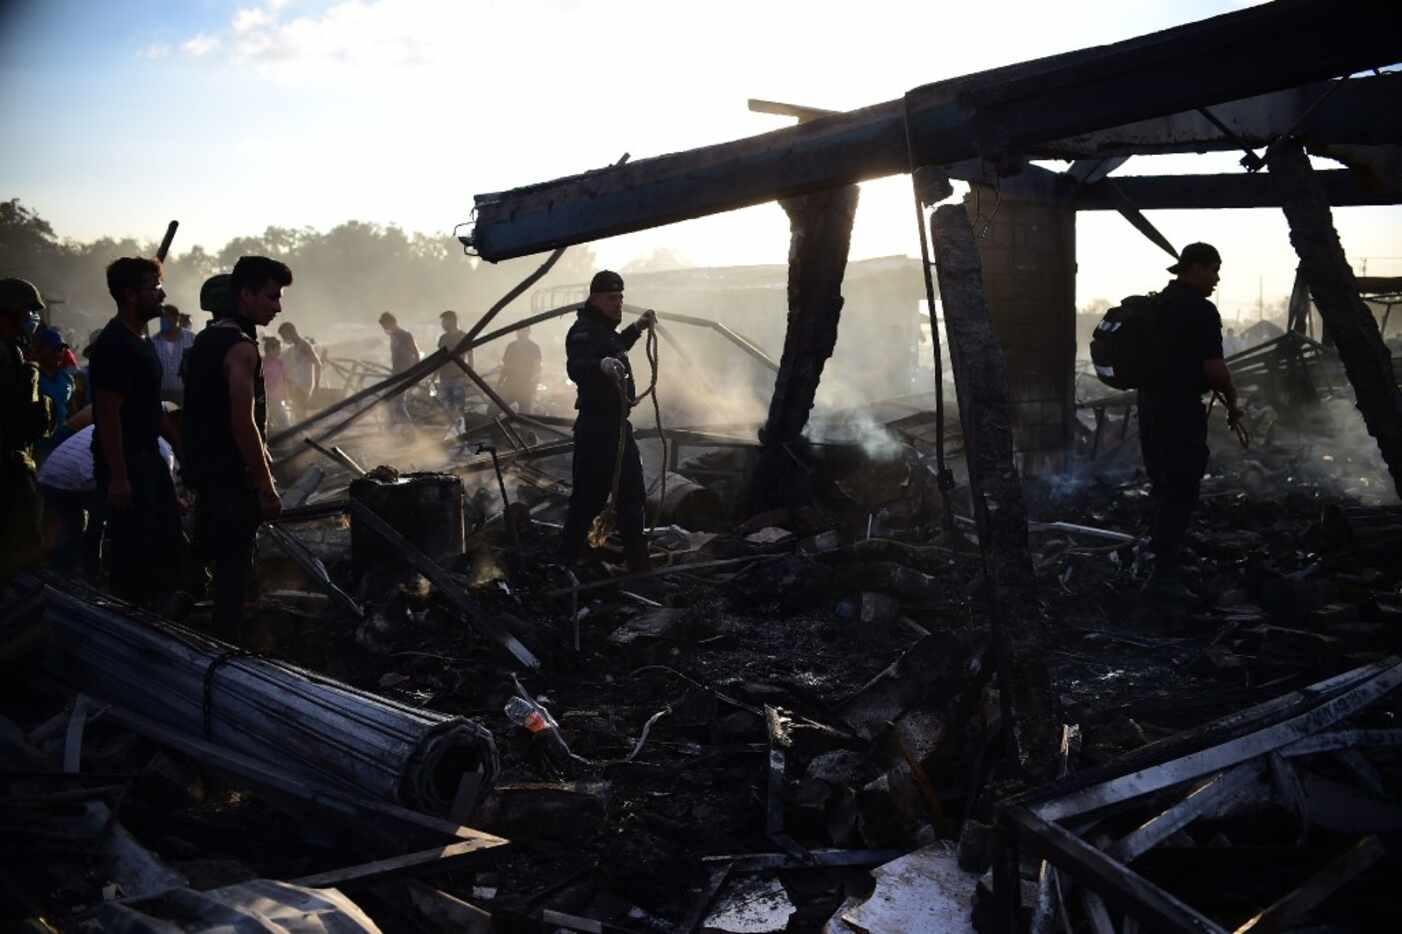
point(596, 353)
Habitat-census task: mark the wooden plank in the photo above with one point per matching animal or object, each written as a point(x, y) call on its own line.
point(1120, 887)
point(73, 738)
point(1292, 908)
point(1186, 192)
point(446, 586)
point(1005, 110)
point(410, 864)
point(661, 572)
point(1325, 711)
point(1349, 320)
point(448, 911)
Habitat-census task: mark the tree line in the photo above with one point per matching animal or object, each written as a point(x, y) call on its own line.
point(350, 273)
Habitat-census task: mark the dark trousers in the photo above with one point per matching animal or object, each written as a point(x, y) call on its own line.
point(66, 519)
point(226, 529)
point(21, 518)
point(595, 451)
point(1173, 439)
point(143, 540)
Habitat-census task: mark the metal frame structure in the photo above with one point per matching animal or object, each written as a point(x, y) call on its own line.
point(1247, 755)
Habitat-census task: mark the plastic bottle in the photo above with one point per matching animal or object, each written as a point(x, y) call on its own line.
point(535, 718)
point(530, 715)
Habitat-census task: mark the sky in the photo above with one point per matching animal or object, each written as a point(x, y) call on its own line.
point(233, 116)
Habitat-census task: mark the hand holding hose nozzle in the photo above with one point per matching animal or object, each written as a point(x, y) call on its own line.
point(1236, 420)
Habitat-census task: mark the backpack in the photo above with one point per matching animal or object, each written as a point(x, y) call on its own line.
point(1124, 347)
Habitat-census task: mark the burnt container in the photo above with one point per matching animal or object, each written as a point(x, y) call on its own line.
point(426, 508)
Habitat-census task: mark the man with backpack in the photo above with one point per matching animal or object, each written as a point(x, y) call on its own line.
point(1172, 417)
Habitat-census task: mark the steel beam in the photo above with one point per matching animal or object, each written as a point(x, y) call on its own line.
point(994, 114)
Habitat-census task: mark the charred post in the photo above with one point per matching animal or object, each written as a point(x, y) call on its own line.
point(820, 233)
point(981, 381)
point(1345, 315)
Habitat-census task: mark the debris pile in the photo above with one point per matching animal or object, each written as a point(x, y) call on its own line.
point(788, 724)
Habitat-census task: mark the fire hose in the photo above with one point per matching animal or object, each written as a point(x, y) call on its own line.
point(605, 521)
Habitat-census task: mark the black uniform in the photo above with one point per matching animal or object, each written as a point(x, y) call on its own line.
point(227, 508)
point(26, 416)
point(1172, 418)
point(601, 414)
point(144, 539)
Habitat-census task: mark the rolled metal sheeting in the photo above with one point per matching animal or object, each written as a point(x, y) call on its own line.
point(295, 720)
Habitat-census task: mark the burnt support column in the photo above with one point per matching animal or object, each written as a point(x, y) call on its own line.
point(820, 227)
point(981, 381)
point(1345, 316)
point(1028, 253)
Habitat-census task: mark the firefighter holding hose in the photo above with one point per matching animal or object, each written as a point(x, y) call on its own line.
point(605, 454)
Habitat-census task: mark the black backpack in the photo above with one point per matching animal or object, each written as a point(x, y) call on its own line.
point(1124, 347)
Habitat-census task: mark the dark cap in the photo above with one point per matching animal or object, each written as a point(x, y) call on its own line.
point(1202, 253)
point(19, 294)
point(217, 295)
point(605, 281)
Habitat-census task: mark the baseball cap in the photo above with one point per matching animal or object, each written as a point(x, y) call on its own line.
point(21, 294)
point(606, 280)
point(48, 337)
point(1204, 253)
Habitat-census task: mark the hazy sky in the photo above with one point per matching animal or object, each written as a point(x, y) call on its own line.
point(232, 116)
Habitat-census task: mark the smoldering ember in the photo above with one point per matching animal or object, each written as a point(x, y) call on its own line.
point(640, 601)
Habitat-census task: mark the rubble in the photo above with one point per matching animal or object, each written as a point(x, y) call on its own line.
point(835, 702)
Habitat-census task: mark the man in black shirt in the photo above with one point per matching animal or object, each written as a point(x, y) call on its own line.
point(143, 523)
point(1172, 418)
point(227, 424)
point(597, 363)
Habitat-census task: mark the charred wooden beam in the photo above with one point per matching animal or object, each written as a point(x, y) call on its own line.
point(820, 228)
point(992, 114)
point(1350, 321)
point(981, 381)
point(1340, 188)
point(1362, 111)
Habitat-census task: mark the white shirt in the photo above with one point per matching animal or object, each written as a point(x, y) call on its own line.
point(170, 353)
point(69, 466)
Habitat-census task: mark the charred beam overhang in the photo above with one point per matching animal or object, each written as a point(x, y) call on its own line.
point(990, 114)
point(1363, 111)
point(1187, 192)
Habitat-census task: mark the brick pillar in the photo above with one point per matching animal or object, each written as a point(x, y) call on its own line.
point(1029, 278)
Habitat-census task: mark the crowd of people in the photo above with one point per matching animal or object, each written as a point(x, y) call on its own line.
point(91, 485)
point(142, 461)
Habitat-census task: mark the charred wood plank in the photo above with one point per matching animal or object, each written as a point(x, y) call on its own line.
point(446, 586)
point(1341, 188)
point(1121, 888)
point(981, 381)
point(820, 235)
point(438, 859)
point(988, 114)
point(1349, 320)
point(1292, 908)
